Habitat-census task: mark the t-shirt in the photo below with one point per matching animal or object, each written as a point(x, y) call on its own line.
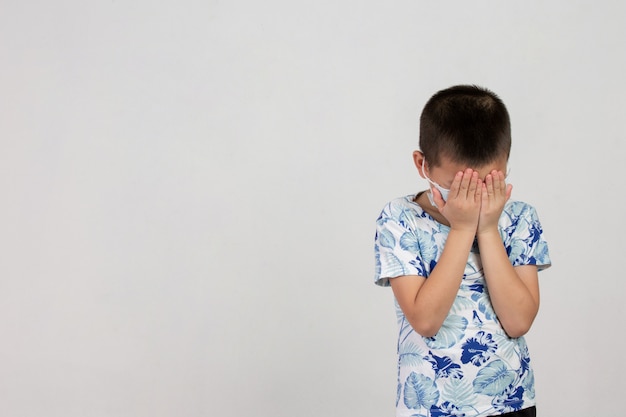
point(471, 365)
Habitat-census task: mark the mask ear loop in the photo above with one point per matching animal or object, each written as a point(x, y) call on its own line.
point(424, 171)
point(444, 191)
point(429, 193)
point(431, 181)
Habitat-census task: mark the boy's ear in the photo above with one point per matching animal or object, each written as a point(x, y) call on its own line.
point(418, 160)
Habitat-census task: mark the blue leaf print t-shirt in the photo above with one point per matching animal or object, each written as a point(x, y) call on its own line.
point(470, 367)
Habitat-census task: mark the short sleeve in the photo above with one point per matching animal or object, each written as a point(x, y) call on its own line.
point(524, 238)
point(396, 245)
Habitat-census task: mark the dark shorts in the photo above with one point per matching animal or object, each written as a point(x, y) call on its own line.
point(526, 412)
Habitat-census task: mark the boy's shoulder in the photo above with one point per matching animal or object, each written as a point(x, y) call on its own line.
point(405, 212)
point(404, 205)
point(401, 205)
point(405, 201)
point(516, 208)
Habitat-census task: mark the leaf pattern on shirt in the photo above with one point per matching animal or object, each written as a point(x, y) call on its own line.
point(471, 366)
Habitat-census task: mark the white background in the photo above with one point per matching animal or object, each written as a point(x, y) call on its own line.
point(189, 192)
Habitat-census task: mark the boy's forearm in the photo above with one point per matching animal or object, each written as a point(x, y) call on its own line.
point(513, 301)
point(436, 296)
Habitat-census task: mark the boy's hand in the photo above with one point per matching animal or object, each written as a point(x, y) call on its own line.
point(495, 194)
point(462, 209)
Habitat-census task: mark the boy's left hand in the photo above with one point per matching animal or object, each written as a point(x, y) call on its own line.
point(495, 194)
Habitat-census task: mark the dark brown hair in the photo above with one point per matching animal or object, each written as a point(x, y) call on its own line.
point(467, 124)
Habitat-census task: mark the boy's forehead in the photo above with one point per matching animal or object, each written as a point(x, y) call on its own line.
point(448, 164)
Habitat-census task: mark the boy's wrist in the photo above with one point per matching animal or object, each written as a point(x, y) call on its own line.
point(468, 233)
point(488, 233)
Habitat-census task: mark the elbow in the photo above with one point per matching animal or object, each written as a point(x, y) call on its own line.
point(425, 328)
point(427, 333)
point(517, 325)
point(519, 329)
point(518, 332)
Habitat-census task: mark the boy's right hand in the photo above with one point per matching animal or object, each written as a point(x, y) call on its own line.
point(462, 209)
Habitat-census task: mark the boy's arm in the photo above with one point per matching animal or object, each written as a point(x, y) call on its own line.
point(427, 302)
point(514, 291)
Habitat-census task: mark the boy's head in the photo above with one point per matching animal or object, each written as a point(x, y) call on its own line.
point(466, 124)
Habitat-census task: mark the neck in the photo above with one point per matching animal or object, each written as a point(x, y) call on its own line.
point(422, 200)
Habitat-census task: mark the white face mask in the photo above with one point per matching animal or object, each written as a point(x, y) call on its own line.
point(444, 191)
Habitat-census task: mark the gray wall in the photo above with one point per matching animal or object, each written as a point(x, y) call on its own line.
point(189, 191)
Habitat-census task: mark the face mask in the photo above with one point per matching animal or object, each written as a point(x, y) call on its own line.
point(444, 192)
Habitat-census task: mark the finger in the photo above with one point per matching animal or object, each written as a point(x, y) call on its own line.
point(498, 182)
point(473, 184)
point(509, 190)
point(479, 190)
point(484, 193)
point(456, 185)
point(465, 182)
point(489, 186)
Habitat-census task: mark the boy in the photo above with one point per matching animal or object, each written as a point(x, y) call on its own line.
point(462, 260)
